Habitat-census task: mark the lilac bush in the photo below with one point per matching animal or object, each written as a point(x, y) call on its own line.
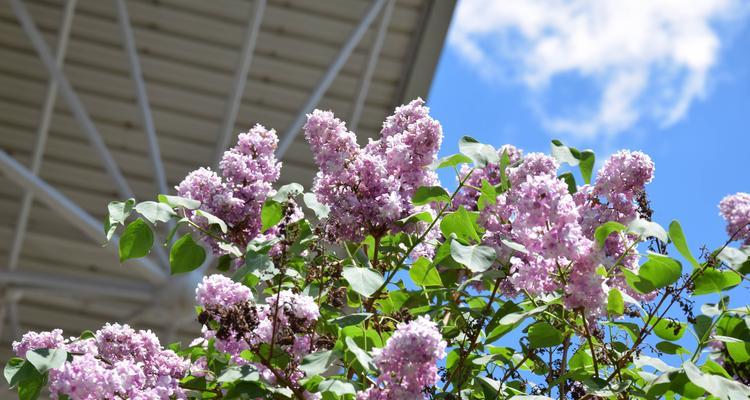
point(536, 276)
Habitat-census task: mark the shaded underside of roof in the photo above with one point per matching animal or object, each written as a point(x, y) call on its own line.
point(189, 51)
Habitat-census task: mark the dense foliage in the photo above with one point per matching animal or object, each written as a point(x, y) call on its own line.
point(521, 282)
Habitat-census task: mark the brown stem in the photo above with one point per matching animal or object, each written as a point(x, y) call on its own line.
point(369, 304)
point(475, 335)
point(563, 365)
point(591, 344)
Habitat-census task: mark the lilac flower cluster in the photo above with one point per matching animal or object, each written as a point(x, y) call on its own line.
point(736, 211)
point(287, 314)
point(118, 362)
point(248, 171)
point(408, 362)
point(557, 228)
point(370, 188)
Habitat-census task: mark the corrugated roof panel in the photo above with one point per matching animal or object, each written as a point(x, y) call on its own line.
point(188, 50)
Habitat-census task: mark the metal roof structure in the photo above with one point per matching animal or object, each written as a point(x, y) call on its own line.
point(104, 100)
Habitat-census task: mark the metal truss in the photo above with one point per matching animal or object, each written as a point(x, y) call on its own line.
point(159, 288)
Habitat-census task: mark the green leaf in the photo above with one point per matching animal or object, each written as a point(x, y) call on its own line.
point(177, 201)
point(47, 359)
point(212, 220)
point(604, 230)
point(588, 159)
point(475, 257)
point(678, 239)
point(658, 272)
point(225, 261)
point(647, 229)
point(258, 264)
point(482, 154)
point(30, 389)
point(317, 363)
point(173, 231)
point(564, 154)
point(136, 240)
point(350, 319)
point(513, 318)
point(311, 201)
point(364, 358)
point(154, 211)
point(424, 216)
point(461, 223)
point(723, 388)
point(669, 329)
point(363, 280)
point(430, 194)
point(186, 255)
point(671, 348)
point(423, 273)
point(451, 161)
point(712, 280)
point(288, 191)
point(271, 214)
point(247, 390)
point(118, 212)
point(336, 386)
point(247, 373)
point(615, 303)
point(569, 180)
point(542, 334)
point(12, 368)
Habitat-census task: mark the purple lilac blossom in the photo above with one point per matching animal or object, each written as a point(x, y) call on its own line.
point(368, 189)
point(248, 171)
point(218, 290)
point(735, 209)
point(557, 229)
point(408, 362)
point(117, 362)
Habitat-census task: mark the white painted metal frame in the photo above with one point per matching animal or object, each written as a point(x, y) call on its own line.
point(240, 79)
point(76, 106)
point(68, 209)
point(372, 60)
point(329, 76)
point(126, 31)
point(42, 133)
point(35, 187)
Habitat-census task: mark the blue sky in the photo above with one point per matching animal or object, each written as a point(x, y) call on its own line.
point(700, 156)
point(673, 83)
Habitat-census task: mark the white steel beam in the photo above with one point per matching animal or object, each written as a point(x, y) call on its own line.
point(79, 286)
point(126, 30)
point(372, 60)
point(41, 135)
point(329, 76)
point(12, 297)
point(240, 79)
point(68, 209)
point(74, 102)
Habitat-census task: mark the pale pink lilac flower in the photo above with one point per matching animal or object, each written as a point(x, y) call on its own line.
point(408, 362)
point(219, 290)
point(624, 173)
point(736, 211)
point(248, 171)
point(117, 362)
point(368, 189)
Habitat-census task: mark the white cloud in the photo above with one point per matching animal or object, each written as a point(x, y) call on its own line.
point(646, 58)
